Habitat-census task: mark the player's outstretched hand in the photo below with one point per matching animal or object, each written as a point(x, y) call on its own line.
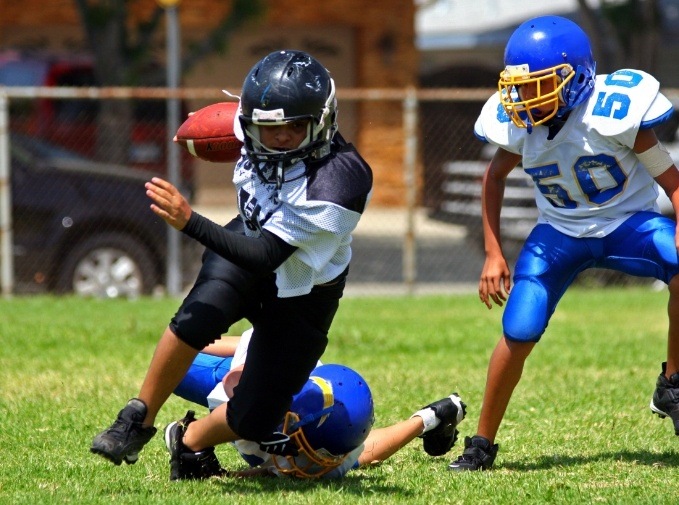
point(279, 444)
point(168, 203)
point(495, 282)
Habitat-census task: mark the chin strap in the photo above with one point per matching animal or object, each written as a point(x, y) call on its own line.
point(279, 181)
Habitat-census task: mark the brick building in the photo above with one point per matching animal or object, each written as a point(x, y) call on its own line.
point(364, 45)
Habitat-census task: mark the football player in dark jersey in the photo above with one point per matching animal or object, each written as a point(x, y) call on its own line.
point(281, 264)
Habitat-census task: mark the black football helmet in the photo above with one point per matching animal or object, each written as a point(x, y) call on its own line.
point(284, 87)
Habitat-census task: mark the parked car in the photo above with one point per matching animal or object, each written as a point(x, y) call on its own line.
point(77, 124)
point(83, 227)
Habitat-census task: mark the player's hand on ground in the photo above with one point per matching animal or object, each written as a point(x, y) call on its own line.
point(495, 282)
point(168, 203)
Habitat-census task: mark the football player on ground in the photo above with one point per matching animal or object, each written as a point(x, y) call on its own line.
point(330, 420)
point(281, 264)
point(588, 143)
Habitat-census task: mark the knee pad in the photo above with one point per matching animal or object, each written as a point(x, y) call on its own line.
point(204, 374)
point(218, 299)
point(526, 319)
point(207, 313)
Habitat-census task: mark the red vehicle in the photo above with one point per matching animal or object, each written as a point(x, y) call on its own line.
point(79, 125)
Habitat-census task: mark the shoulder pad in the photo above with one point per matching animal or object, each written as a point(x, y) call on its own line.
point(494, 126)
point(624, 101)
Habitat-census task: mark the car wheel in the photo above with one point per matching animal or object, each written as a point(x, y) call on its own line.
point(109, 265)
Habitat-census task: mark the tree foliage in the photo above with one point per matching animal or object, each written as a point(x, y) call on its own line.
point(123, 55)
point(122, 46)
point(625, 33)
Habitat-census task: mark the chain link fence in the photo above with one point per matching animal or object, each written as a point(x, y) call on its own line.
point(74, 216)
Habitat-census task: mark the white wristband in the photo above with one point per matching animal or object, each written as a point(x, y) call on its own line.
point(429, 419)
point(657, 159)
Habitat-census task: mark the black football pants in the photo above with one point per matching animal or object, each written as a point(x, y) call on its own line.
point(289, 337)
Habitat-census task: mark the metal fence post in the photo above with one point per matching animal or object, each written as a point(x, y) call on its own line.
point(174, 259)
point(6, 258)
point(409, 168)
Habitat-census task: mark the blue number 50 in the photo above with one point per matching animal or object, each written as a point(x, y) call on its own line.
point(616, 105)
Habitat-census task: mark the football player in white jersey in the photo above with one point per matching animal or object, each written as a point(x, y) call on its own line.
point(330, 419)
point(282, 263)
point(588, 143)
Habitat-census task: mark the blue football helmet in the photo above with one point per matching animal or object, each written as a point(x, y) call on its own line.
point(330, 417)
point(554, 56)
point(286, 87)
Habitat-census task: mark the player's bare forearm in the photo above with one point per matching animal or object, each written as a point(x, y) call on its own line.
point(669, 182)
point(384, 442)
point(168, 203)
point(674, 198)
point(494, 281)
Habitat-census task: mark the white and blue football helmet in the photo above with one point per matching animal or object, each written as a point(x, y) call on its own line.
point(555, 54)
point(330, 417)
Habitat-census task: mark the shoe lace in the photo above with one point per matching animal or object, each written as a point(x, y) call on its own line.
point(474, 455)
point(469, 456)
point(122, 426)
point(670, 394)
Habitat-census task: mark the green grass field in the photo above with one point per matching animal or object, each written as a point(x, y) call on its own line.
point(578, 429)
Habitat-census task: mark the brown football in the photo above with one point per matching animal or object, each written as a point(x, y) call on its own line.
point(208, 133)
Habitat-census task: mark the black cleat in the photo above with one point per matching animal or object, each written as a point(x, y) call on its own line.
point(126, 436)
point(451, 412)
point(478, 454)
point(665, 401)
point(186, 464)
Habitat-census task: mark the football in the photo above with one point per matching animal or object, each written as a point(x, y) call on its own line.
point(209, 134)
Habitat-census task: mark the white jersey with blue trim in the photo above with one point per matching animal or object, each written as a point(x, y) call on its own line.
point(218, 394)
point(588, 180)
point(315, 211)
